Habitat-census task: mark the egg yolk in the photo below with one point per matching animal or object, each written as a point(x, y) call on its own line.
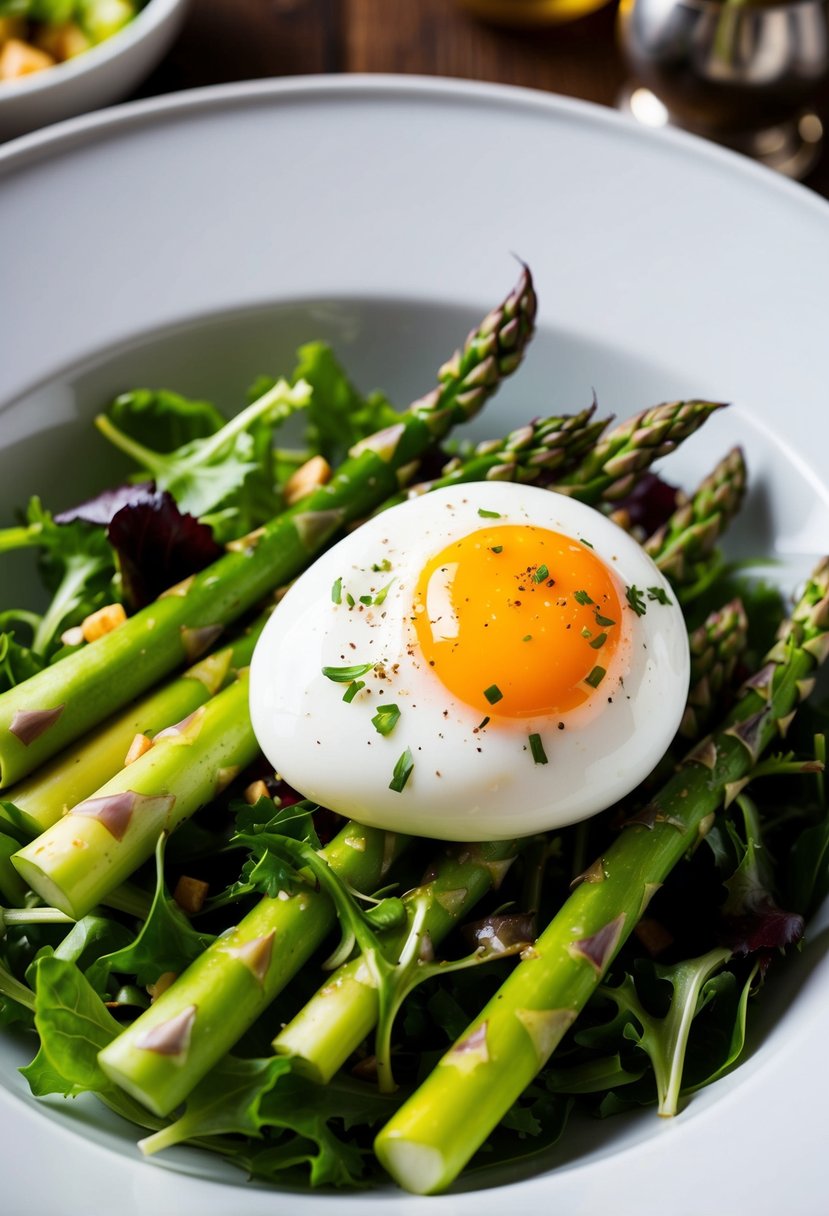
point(517, 620)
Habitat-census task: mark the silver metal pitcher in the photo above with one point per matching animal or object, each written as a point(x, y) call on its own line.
point(743, 74)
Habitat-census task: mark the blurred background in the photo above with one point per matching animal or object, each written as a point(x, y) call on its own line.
point(752, 74)
point(749, 73)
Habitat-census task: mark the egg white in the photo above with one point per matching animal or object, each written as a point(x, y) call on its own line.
point(467, 783)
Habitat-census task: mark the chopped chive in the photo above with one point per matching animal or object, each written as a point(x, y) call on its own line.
point(349, 599)
point(659, 594)
point(541, 573)
point(344, 675)
point(337, 591)
point(402, 772)
point(378, 567)
point(599, 641)
point(497, 549)
point(636, 600)
point(484, 514)
point(352, 690)
point(537, 749)
point(604, 621)
point(493, 694)
point(585, 542)
point(581, 597)
point(484, 722)
point(586, 633)
point(528, 637)
point(386, 718)
point(382, 593)
point(596, 676)
point(367, 600)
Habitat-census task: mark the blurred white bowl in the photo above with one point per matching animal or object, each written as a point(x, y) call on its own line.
point(104, 74)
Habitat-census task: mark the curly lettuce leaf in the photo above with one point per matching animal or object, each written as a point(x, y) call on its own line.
point(76, 565)
point(218, 472)
point(166, 941)
point(338, 415)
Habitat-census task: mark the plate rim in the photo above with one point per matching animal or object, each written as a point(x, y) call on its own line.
point(73, 133)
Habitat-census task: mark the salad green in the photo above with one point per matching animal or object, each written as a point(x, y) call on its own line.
point(627, 951)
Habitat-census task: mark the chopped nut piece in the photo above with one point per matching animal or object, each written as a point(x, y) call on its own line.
point(190, 894)
point(18, 59)
point(161, 984)
point(310, 476)
point(103, 621)
point(139, 746)
point(365, 1070)
point(255, 791)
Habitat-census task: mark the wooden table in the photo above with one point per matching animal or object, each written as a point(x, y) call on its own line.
point(226, 40)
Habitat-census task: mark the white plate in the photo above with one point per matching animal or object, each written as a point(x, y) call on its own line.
point(194, 241)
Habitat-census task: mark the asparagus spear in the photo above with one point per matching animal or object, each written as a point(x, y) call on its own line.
point(345, 1009)
point(716, 648)
point(54, 707)
point(529, 454)
point(682, 546)
point(36, 803)
point(433, 1135)
point(609, 470)
point(163, 1055)
point(78, 861)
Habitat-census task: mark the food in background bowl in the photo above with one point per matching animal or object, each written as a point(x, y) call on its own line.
point(37, 34)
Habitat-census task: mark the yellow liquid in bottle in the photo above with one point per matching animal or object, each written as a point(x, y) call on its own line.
point(531, 12)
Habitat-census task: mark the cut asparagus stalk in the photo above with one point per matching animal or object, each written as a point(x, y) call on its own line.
point(36, 803)
point(345, 1009)
point(163, 1055)
point(433, 1135)
point(60, 703)
point(83, 857)
point(610, 469)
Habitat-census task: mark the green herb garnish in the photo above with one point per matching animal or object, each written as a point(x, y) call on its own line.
point(493, 694)
point(484, 514)
point(344, 675)
point(402, 771)
point(599, 641)
point(537, 749)
point(386, 718)
point(659, 594)
point(595, 677)
point(484, 722)
point(636, 600)
point(349, 599)
point(382, 593)
point(604, 621)
point(337, 591)
point(497, 549)
point(581, 597)
point(541, 573)
point(352, 690)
